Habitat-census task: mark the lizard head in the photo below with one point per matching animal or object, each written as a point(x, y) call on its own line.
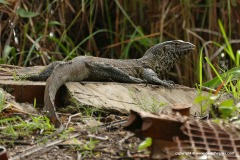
point(164, 56)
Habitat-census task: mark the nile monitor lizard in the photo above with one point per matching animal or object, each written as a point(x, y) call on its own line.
point(156, 61)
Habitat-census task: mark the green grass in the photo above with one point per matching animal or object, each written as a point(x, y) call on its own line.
point(152, 106)
point(87, 148)
point(16, 127)
point(227, 82)
point(2, 100)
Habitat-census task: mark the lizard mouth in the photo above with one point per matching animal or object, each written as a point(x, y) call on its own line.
point(188, 49)
point(190, 46)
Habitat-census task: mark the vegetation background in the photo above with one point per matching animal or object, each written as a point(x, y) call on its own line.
point(34, 32)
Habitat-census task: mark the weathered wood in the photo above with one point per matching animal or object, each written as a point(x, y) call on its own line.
point(115, 96)
point(124, 97)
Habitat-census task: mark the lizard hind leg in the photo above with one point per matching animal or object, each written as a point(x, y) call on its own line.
point(61, 74)
point(108, 72)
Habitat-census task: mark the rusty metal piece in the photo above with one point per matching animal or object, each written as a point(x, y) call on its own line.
point(210, 141)
point(193, 139)
point(3, 153)
point(162, 127)
point(160, 145)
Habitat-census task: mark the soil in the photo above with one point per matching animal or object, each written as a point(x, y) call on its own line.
point(92, 140)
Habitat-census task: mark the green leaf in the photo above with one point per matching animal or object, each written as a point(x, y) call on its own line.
point(234, 3)
point(226, 108)
point(200, 98)
point(6, 51)
point(26, 14)
point(226, 111)
point(142, 39)
point(215, 82)
point(238, 58)
point(2, 100)
point(54, 23)
point(227, 103)
point(229, 47)
point(145, 144)
point(4, 2)
point(34, 102)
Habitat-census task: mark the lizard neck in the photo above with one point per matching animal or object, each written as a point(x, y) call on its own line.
point(160, 63)
point(147, 61)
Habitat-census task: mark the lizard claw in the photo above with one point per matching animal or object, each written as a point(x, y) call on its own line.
point(137, 80)
point(169, 84)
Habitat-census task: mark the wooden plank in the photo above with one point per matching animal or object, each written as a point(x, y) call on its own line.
point(24, 91)
point(115, 96)
point(123, 97)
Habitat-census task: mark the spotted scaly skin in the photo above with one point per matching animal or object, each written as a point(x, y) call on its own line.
point(157, 60)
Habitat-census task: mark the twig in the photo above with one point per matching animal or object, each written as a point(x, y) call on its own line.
point(44, 150)
point(79, 155)
point(58, 131)
point(98, 137)
point(70, 118)
point(21, 142)
point(10, 66)
point(129, 135)
point(208, 89)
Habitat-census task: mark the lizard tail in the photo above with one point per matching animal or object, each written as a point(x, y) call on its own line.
point(61, 74)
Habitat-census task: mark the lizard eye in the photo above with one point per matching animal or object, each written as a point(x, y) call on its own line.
point(177, 44)
point(164, 48)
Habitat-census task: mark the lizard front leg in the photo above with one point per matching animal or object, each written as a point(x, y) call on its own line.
point(151, 77)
